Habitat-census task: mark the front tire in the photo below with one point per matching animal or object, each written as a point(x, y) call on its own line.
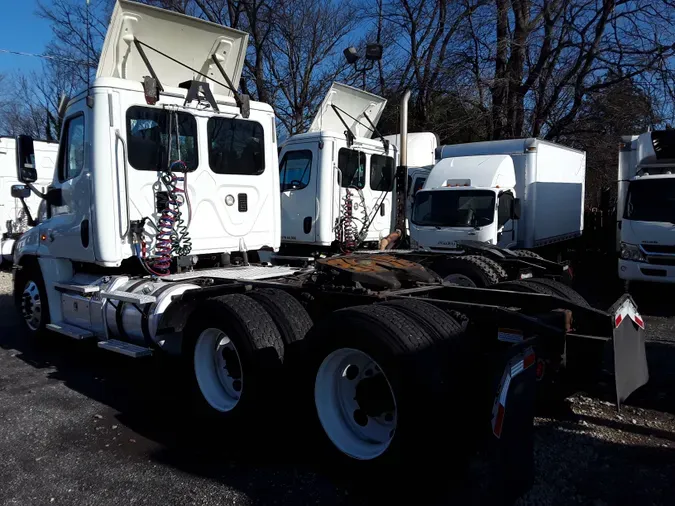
point(30, 297)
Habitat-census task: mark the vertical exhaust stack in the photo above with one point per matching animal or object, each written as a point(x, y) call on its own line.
point(402, 174)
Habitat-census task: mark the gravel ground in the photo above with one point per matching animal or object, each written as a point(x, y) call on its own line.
point(80, 426)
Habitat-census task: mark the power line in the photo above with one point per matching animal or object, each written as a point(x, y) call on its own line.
point(45, 56)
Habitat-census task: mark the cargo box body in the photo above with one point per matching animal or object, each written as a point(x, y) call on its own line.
point(550, 181)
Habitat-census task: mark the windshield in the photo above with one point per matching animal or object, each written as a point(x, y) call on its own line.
point(454, 208)
point(651, 200)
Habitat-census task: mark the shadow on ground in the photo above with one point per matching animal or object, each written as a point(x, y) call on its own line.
point(273, 462)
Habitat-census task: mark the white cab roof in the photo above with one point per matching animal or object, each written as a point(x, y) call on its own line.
point(355, 103)
point(189, 40)
point(487, 171)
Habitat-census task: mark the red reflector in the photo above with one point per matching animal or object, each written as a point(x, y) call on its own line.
point(617, 320)
point(499, 421)
point(528, 361)
point(541, 368)
point(639, 322)
point(570, 271)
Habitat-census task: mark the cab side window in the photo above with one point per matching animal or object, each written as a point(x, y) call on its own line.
point(295, 170)
point(504, 211)
point(419, 184)
point(71, 159)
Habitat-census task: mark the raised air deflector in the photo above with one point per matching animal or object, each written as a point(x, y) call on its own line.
point(351, 104)
point(189, 40)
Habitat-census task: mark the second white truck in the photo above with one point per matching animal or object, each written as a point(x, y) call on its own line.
point(517, 194)
point(14, 220)
point(645, 207)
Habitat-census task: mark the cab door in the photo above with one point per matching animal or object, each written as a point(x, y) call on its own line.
point(67, 233)
point(506, 226)
point(415, 184)
point(298, 184)
point(380, 188)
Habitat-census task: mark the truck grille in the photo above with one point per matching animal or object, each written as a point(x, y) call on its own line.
point(661, 260)
point(658, 248)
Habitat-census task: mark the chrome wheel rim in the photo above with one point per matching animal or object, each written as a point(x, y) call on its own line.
point(31, 306)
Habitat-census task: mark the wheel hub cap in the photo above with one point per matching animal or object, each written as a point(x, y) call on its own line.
point(355, 404)
point(218, 370)
point(31, 306)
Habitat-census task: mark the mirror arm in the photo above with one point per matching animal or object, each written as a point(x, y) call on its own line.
point(35, 191)
point(31, 221)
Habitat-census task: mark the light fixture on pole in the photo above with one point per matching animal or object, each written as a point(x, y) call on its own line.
point(373, 54)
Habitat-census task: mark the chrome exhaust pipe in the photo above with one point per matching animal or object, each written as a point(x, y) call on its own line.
point(403, 148)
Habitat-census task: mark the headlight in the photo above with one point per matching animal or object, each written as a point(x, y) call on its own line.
point(631, 252)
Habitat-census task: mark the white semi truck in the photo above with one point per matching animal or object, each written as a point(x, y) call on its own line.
point(162, 191)
point(645, 211)
point(14, 218)
point(337, 181)
point(516, 194)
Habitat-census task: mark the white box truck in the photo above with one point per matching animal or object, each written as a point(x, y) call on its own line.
point(13, 218)
point(516, 194)
point(646, 207)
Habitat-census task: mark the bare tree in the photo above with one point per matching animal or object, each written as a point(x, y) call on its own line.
point(304, 55)
point(551, 55)
point(78, 31)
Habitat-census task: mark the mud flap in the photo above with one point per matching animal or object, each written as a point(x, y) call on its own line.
point(630, 358)
point(512, 429)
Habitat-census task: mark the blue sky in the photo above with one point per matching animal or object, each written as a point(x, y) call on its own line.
point(22, 30)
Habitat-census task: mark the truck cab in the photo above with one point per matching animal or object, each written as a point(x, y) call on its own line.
point(14, 219)
point(336, 181)
point(468, 197)
point(646, 207)
point(163, 166)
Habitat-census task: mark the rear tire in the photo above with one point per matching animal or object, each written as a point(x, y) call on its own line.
point(522, 285)
point(471, 271)
point(412, 402)
point(561, 289)
point(289, 315)
point(526, 253)
point(232, 350)
point(501, 272)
